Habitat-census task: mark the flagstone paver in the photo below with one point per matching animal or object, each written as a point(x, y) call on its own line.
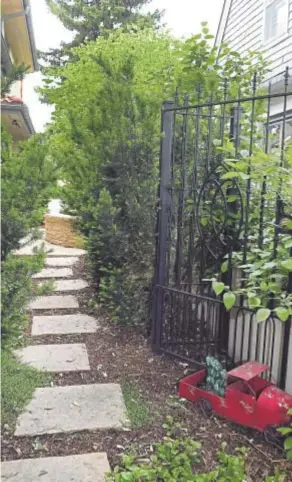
point(54, 302)
point(70, 285)
point(55, 358)
point(73, 468)
point(63, 324)
point(50, 249)
point(58, 262)
point(73, 408)
point(53, 273)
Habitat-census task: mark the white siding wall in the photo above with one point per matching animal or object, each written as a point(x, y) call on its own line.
point(245, 31)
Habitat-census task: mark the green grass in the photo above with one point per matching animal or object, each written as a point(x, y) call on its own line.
point(18, 384)
point(137, 408)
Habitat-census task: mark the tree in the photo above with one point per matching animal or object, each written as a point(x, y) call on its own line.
point(89, 19)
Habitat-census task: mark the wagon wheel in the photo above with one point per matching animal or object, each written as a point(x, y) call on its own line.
point(204, 406)
point(272, 436)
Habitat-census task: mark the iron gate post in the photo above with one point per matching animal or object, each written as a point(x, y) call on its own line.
point(163, 221)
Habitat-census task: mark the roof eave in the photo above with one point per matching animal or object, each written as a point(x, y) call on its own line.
point(5, 57)
point(24, 111)
point(27, 8)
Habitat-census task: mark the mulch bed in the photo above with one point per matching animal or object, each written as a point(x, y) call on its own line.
point(119, 354)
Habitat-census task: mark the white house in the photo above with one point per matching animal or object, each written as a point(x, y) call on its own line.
point(264, 25)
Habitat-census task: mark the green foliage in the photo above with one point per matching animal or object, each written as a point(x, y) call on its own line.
point(137, 408)
point(265, 272)
point(109, 140)
point(287, 432)
point(124, 295)
point(18, 383)
point(176, 459)
point(27, 175)
point(17, 289)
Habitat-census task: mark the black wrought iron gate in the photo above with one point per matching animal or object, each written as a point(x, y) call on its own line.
point(205, 218)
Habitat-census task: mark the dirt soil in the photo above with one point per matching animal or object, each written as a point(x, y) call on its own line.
point(119, 354)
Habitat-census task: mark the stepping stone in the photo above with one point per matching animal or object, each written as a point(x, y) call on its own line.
point(72, 468)
point(55, 250)
point(57, 262)
point(55, 358)
point(50, 249)
point(73, 408)
point(54, 302)
point(70, 285)
point(28, 249)
point(63, 324)
point(53, 273)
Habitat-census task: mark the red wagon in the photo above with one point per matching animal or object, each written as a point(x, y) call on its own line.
point(249, 399)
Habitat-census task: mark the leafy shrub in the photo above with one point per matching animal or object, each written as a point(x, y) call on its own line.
point(287, 432)
point(124, 295)
point(16, 290)
point(27, 176)
point(176, 459)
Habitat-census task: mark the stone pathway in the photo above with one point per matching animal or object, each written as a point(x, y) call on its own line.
point(54, 273)
point(73, 408)
point(54, 302)
point(63, 324)
point(55, 358)
point(70, 285)
point(57, 262)
point(73, 468)
point(63, 409)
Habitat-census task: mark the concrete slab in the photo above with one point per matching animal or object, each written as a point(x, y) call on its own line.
point(57, 262)
point(63, 324)
point(73, 408)
point(72, 468)
point(53, 273)
point(55, 358)
point(50, 249)
point(28, 249)
point(54, 302)
point(70, 285)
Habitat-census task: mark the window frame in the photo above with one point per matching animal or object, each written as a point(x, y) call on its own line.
point(280, 37)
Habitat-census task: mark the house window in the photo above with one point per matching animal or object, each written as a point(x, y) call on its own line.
point(276, 130)
point(276, 19)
